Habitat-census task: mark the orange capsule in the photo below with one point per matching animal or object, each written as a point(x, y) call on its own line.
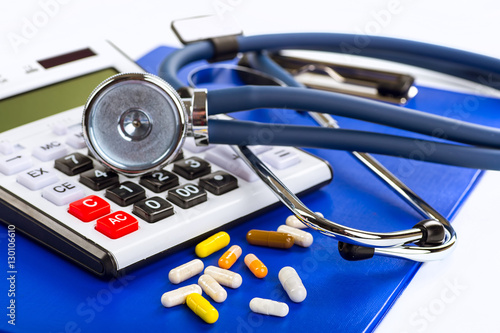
point(255, 265)
point(229, 257)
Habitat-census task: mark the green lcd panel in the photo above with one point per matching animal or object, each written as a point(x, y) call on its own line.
point(43, 102)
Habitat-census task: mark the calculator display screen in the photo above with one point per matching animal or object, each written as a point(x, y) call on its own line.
point(46, 101)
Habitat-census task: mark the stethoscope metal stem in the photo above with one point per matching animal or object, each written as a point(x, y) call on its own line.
point(426, 210)
point(332, 229)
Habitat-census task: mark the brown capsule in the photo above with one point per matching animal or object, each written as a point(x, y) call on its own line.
point(276, 239)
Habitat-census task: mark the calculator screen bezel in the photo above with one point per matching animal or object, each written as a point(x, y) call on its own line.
point(51, 99)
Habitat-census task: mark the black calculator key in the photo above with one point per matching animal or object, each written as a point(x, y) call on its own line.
point(192, 168)
point(187, 195)
point(153, 209)
point(126, 193)
point(159, 181)
point(219, 182)
point(73, 164)
point(99, 179)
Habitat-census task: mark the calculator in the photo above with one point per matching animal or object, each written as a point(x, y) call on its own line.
point(57, 194)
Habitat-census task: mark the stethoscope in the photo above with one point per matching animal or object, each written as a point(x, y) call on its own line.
point(135, 123)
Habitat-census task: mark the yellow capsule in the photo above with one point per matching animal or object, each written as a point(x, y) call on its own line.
point(203, 309)
point(212, 244)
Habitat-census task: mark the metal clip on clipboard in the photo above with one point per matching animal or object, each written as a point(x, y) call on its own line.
point(385, 86)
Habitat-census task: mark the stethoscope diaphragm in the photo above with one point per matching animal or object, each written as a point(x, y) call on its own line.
point(134, 123)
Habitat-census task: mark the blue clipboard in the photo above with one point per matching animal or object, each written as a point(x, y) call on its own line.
point(55, 296)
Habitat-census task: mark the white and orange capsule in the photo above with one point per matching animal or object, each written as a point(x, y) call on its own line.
point(229, 257)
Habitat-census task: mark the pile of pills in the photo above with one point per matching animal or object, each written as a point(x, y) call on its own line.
point(213, 278)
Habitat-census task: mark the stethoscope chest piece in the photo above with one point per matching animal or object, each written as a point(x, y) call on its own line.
point(134, 123)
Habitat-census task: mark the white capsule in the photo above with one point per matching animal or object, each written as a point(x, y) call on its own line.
point(293, 221)
point(300, 237)
point(212, 288)
point(185, 271)
point(224, 277)
point(268, 307)
point(178, 296)
point(292, 284)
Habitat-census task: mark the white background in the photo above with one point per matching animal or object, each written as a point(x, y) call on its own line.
point(458, 294)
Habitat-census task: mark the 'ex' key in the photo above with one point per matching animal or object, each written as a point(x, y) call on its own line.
point(37, 178)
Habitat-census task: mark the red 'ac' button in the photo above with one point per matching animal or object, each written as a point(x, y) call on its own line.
point(117, 224)
point(89, 208)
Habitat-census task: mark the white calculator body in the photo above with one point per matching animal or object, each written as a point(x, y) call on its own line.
point(58, 195)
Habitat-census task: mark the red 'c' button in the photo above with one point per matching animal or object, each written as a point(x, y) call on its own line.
point(89, 208)
point(117, 224)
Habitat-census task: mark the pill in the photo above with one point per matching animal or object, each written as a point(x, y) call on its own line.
point(178, 296)
point(293, 221)
point(292, 284)
point(268, 307)
point(185, 271)
point(270, 239)
point(229, 257)
point(203, 309)
point(212, 288)
point(224, 277)
point(212, 244)
point(300, 237)
point(255, 265)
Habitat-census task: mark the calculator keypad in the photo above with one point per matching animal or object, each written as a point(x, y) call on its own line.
point(63, 193)
point(99, 179)
point(126, 193)
point(76, 140)
point(227, 159)
point(117, 224)
point(153, 209)
point(187, 195)
point(50, 150)
point(37, 178)
point(219, 182)
point(73, 164)
point(159, 181)
point(15, 163)
point(89, 208)
point(281, 158)
point(192, 168)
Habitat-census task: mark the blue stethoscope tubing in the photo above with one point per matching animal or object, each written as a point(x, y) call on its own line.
point(481, 142)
